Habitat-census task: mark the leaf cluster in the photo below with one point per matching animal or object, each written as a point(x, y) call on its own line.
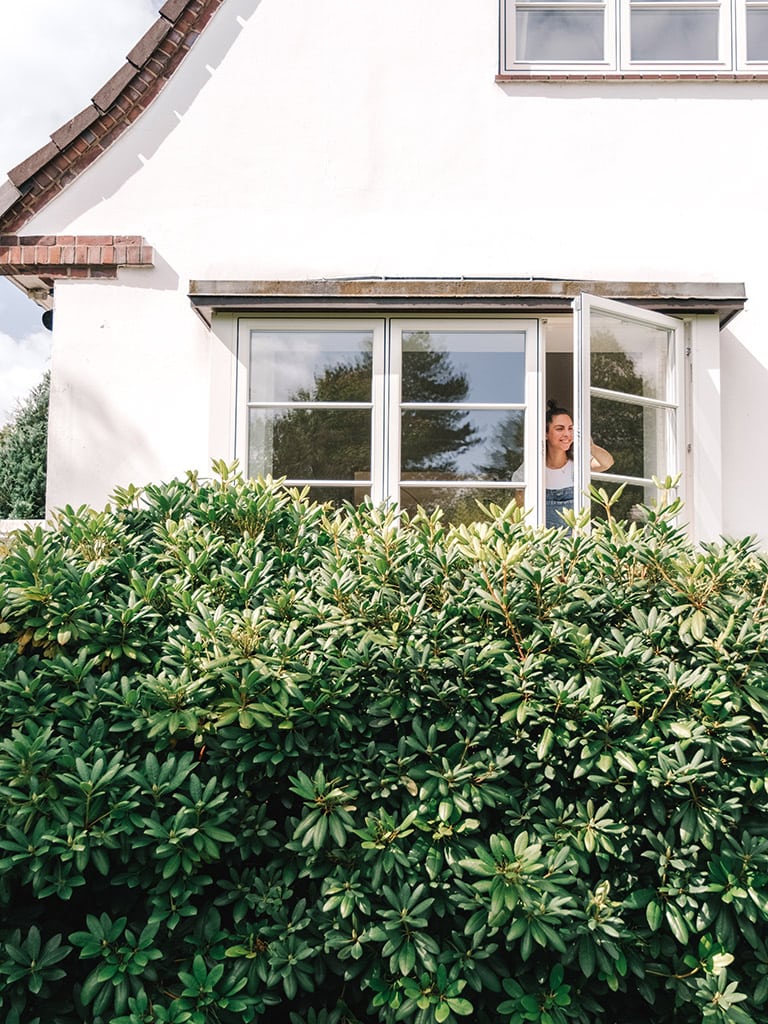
point(264, 760)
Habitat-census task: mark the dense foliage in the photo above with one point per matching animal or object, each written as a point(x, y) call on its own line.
point(265, 761)
point(23, 451)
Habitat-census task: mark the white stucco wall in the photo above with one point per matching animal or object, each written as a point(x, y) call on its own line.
point(303, 139)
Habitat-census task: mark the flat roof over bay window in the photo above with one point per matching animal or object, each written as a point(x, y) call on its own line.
point(467, 294)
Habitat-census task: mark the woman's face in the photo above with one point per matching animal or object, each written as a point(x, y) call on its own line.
point(560, 432)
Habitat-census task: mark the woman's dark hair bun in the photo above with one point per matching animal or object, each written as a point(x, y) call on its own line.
point(553, 409)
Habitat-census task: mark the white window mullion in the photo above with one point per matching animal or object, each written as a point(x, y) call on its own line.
point(581, 400)
point(385, 451)
point(535, 404)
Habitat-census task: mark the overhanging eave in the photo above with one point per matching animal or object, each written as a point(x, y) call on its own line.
point(469, 295)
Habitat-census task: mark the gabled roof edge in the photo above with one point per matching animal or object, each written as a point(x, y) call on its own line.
point(80, 141)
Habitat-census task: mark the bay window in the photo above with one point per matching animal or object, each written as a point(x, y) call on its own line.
point(432, 392)
point(443, 412)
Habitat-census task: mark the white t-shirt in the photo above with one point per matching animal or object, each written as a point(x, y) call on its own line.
point(558, 478)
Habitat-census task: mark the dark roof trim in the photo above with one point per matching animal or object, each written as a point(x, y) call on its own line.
point(477, 295)
point(75, 145)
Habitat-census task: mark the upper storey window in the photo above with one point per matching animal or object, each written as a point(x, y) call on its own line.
point(634, 36)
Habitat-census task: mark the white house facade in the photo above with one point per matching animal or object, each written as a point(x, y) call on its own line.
point(359, 246)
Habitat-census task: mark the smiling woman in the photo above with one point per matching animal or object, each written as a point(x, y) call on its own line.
point(559, 473)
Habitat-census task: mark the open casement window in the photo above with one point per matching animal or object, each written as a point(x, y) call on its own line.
point(418, 411)
point(630, 36)
point(628, 397)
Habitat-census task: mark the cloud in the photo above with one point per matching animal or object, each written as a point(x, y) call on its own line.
point(61, 54)
point(24, 361)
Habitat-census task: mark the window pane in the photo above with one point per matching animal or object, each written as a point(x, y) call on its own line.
point(629, 357)
point(565, 35)
point(290, 366)
point(339, 495)
point(461, 444)
point(459, 504)
point(641, 439)
point(463, 366)
point(310, 444)
point(674, 35)
point(757, 35)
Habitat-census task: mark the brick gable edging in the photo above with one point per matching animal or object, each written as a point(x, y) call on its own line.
point(52, 257)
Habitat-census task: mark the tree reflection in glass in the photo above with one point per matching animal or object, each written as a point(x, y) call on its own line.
point(458, 386)
point(633, 433)
point(432, 439)
point(309, 414)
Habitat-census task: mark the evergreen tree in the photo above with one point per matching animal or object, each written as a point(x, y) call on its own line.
point(23, 450)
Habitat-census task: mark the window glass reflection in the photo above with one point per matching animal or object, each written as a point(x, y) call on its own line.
point(627, 356)
point(446, 375)
point(291, 366)
point(464, 366)
point(462, 444)
point(339, 495)
point(558, 35)
point(310, 444)
point(459, 504)
point(757, 35)
point(641, 440)
point(624, 36)
point(679, 35)
point(311, 413)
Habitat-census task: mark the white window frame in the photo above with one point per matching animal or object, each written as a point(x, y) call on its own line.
point(617, 60)
point(674, 398)
point(373, 324)
point(386, 404)
point(741, 35)
point(531, 482)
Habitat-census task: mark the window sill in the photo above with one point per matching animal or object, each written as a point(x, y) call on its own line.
point(527, 77)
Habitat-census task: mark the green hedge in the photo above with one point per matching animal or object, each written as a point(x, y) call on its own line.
point(261, 760)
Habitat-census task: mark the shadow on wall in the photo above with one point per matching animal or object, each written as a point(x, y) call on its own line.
point(105, 177)
point(161, 277)
point(745, 385)
point(608, 92)
point(115, 453)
